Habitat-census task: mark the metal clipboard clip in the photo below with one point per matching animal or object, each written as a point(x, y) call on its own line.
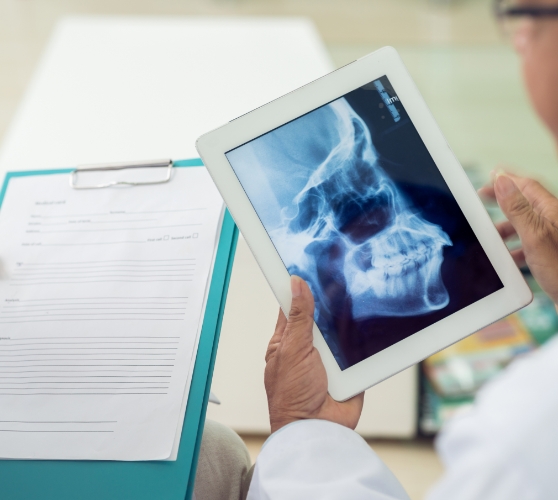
point(121, 166)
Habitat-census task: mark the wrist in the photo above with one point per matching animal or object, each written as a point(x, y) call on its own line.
point(277, 420)
point(275, 426)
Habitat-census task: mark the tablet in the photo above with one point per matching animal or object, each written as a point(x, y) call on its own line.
point(349, 183)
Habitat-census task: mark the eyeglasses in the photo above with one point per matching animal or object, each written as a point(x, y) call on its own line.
point(512, 15)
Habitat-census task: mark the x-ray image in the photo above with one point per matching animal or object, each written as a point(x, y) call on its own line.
point(355, 205)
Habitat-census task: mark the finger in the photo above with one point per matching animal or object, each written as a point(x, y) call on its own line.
point(356, 401)
point(538, 196)
point(514, 204)
point(281, 323)
point(352, 410)
point(518, 256)
point(506, 229)
point(301, 315)
point(277, 335)
point(487, 192)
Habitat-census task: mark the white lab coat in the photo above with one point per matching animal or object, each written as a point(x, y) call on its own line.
point(504, 448)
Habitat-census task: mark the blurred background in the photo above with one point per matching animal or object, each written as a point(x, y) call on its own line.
point(467, 73)
point(471, 80)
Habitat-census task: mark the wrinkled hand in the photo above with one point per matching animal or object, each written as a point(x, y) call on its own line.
point(532, 214)
point(295, 377)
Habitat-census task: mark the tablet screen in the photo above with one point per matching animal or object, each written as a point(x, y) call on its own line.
point(355, 205)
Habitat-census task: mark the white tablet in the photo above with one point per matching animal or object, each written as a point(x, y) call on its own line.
point(349, 183)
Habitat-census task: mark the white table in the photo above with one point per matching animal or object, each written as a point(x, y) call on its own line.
point(121, 88)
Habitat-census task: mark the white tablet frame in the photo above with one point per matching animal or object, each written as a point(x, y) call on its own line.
point(514, 295)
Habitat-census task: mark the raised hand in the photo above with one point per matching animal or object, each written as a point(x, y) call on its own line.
point(295, 377)
point(532, 214)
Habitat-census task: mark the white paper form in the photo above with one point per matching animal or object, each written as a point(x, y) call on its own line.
point(102, 295)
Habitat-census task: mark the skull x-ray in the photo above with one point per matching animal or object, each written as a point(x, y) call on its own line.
point(343, 210)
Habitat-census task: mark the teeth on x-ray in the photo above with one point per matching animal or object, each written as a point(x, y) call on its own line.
point(350, 223)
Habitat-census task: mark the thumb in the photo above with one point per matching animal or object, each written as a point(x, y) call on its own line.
point(515, 206)
point(301, 315)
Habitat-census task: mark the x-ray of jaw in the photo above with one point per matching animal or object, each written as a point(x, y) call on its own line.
point(338, 221)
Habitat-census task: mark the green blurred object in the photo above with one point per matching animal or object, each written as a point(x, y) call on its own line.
point(436, 410)
point(444, 388)
point(539, 317)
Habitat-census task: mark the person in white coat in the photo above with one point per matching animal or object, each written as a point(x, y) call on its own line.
point(504, 448)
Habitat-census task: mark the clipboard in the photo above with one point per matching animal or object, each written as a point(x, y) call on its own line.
point(161, 480)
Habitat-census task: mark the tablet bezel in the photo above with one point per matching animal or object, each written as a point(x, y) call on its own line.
point(343, 384)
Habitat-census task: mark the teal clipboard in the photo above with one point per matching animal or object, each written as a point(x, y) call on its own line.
point(160, 480)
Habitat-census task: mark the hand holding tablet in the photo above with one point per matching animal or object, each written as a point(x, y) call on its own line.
point(348, 183)
point(295, 378)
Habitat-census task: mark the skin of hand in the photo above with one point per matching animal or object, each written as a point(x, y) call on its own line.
point(532, 214)
point(295, 377)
